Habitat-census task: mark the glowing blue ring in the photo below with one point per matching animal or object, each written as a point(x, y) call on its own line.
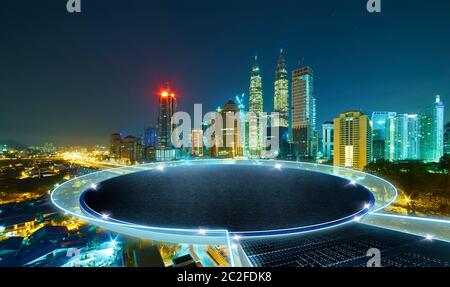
point(209, 236)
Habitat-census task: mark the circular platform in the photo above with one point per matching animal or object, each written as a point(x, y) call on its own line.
point(186, 201)
point(244, 199)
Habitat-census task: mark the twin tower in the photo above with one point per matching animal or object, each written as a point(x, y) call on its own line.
point(300, 118)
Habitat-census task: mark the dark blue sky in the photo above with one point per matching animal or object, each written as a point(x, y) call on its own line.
point(74, 79)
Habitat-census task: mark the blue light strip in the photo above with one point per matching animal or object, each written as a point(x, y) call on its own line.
point(64, 197)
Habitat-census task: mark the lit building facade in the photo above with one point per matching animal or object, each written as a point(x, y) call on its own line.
point(379, 133)
point(151, 137)
point(132, 150)
point(167, 107)
point(431, 139)
point(303, 119)
point(127, 150)
point(281, 92)
point(401, 137)
point(244, 124)
point(328, 140)
point(255, 106)
point(197, 142)
point(232, 146)
point(352, 140)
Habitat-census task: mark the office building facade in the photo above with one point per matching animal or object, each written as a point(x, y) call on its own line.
point(352, 140)
point(303, 117)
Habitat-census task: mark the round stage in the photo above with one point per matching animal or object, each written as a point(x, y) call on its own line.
point(244, 199)
point(209, 201)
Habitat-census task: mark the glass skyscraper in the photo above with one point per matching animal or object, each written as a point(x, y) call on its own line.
point(255, 106)
point(401, 137)
point(167, 107)
point(151, 137)
point(379, 133)
point(303, 120)
point(327, 140)
point(431, 139)
point(281, 92)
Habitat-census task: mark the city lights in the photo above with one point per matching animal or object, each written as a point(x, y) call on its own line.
point(197, 135)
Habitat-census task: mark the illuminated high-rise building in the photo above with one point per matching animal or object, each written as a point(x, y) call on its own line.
point(197, 142)
point(167, 107)
point(256, 107)
point(401, 137)
point(328, 140)
point(303, 119)
point(413, 137)
point(230, 144)
point(281, 92)
point(352, 140)
point(431, 138)
point(244, 123)
point(379, 133)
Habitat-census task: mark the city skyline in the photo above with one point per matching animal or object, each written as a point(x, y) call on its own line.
point(224, 133)
point(74, 96)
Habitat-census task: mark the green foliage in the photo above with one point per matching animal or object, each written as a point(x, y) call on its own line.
point(412, 176)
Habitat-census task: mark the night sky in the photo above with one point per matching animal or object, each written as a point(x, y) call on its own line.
point(76, 78)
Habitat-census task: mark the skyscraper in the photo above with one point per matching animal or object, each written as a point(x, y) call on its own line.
point(303, 119)
point(432, 131)
point(231, 141)
point(167, 107)
point(379, 133)
point(328, 140)
point(401, 137)
point(255, 106)
point(281, 92)
point(352, 140)
point(413, 137)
